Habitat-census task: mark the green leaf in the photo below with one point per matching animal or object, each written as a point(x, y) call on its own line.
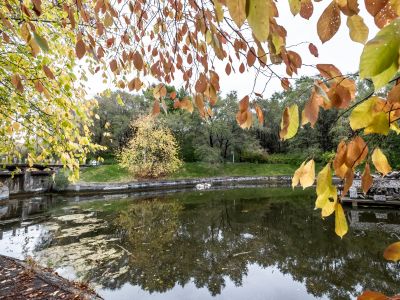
point(41, 42)
point(380, 57)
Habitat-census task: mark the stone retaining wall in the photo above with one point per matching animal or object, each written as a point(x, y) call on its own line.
point(176, 184)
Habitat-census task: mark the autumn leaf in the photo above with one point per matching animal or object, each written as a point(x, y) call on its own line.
point(366, 179)
point(41, 42)
point(80, 49)
point(305, 175)
point(313, 49)
point(368, 115)
point(326, 192)
point(329, 22)
point(380, 57)
point(341, 226)
point(17, 83)
point(156, 108)
point(380, 162)
point(358, 30)
point(290, 122)
point(370, 295)
point(258, 18)
point(237, 10)
point(392, 252)
point(260, 115)
point(356, 152)
point(48, 72)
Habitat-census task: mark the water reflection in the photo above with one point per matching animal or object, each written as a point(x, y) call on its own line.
point(238, 244)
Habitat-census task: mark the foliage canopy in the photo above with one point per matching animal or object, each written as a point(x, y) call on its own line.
point(129, 41)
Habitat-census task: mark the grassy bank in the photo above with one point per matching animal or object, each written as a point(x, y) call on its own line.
point(114, 173)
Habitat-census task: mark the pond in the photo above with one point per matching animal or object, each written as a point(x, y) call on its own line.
point(252, 243)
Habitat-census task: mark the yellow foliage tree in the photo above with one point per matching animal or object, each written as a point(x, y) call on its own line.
point(152, 152)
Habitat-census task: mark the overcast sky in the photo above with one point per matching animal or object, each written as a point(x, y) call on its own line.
point(340, 51)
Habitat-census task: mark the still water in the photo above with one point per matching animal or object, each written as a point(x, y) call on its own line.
point(264, 243)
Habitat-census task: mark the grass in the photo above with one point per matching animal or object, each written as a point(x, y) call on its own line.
point(114, 173)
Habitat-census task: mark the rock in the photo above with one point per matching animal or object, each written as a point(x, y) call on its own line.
point(4, 192)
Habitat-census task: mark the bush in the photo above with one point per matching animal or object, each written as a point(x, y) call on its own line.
point(152, 152)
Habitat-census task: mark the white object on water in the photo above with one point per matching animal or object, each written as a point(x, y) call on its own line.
point(203, 186)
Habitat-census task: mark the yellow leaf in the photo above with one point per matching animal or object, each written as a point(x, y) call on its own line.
point(326, 192)
point(297, 174)
point(219, 13)
point(358, 30)
point(307, 177)
point(237, 10)
point(341, 227)
point(295, 6)
point(290, 122)
point(396, 6)
point(258, 18)
point(369, 115)
point(392, 252)
point(380, 162)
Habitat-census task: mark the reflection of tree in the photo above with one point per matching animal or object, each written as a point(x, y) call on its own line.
point(208, 240)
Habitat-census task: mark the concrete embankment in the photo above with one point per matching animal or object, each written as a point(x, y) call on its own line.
point(199, 183)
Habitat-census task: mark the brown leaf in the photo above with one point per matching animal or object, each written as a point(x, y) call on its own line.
point(285, 83)
point(201, 84)
point(251, 57)
point(329, 22)
point(306, 9)
point(17, 83)
point(80, 48)
point(138, 61)
point(113, 65)
point(329, 71)
point(260, 115)
point(228, 69)
point(366, 179)
point(37, 7)
point(48, 72)
point(313, 49)
point(156, 108)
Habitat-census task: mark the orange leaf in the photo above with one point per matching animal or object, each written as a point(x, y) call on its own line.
point(260, 115)
point(329, 22)
point(369, 295)
point(366, 179)
point(357, 150)
point(392, 252)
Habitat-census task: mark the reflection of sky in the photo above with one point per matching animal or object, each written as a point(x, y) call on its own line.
point(260, 284)
point(22, 241)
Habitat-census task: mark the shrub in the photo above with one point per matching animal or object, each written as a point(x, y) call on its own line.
point(152, 152)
